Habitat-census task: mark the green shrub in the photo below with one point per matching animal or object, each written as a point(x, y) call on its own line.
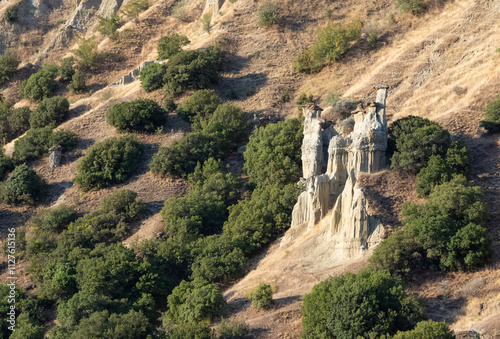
point(66, 69)
point(331, 44)
point(449, 225)
point(10, 14)
point(200, 106)
point(77, 84)
point(125, 204)
point(109, 162)
point(50, 112)
point(428, 329)
point(491, 120)
point(23, 187)
point(170, 45)
point(413, 140)
point(372, 38)
point(206, 21)
point(304, 99)
point(169, 105)
point(273, 154)
point(8, 65)
point(333, 98)
point(6, 165)
point(181, 157)
point(229, 125)
point(254, 222)
point(363, 305)
point(37, 142)
point(136, 116)
point(13, 122)
point(54, 219)
point(151, 76)
point(110, 25)
point(87, 53)
point(192, 70)
point(413, 6)
point(195, 301)
point(189, 330)
point(40, 85)
point(268, 14)
point(262, 298)
point(135, 7)
point(232, 329)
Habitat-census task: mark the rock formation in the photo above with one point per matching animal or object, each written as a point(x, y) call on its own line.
point(55, 156)
point(331, 163)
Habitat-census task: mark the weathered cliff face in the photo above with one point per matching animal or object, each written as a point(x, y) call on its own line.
point(341, 159)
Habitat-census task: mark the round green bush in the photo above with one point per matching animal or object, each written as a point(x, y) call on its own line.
point(136, 116)
point(23, 187)
point(171, 45)
point(491, 120)
point(10, 14)
point(40, 85)
point(200, 105)
point(151, 76)
point(109, 162)
point(50, 112)
point(370, 304)
point(262, 298)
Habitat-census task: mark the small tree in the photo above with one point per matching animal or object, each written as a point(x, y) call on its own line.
point(66, 69)
point(11, 14)
point(8, 65)
point(171, 45)
point(138, 115)
point(135, 7)
point(40, 85)
point(413, 6)
point(110, 25)
point(206, 21)
point(50, 112)
point(23, 187)
point(200, 106)
point(268, 14)
point(151, 77)
point(77, 84)
point(87, 53)
point(262, 298)
point(491, 120)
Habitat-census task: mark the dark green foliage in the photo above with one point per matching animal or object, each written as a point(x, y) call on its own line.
point(449, 226)
point(262, 298)
point(304, 99)
point(181, 157)
point(400, 254)
point(27, 330)
point(109, 162)
point(23, 187)
point(40, 85)
point(206, 21)
point(428, 329)
point(151, 76)
point(110, 25)
point(6, 165)
point(229, 125)
point(331, 44)
point(195, 301)
point(169, 105)
point(125, 204)
point(273, 154)
point(192, 70)
point(216, 259)
point(232, 329)
point(77, 84)
point(365, 305)
point(10, 14)
point(13, 122)
point(37, 142)
point(491, 120)
point(170, 45)
point(413, 6)
point(8, 65)
point(138, 115)
point(268, 14)
point(66, 69)
point(372, 38)
point(413, 140)
point(50, 112)
point(200, 106)
point(54, 219)
point(256, 221)
point(190, 330)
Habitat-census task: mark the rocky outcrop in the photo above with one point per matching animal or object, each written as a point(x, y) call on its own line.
point(55, 156)
point(132, 75)
point(331, 163)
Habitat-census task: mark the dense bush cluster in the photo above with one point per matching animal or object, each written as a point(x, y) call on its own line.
point(40, 85)
point(6, 164)
point(23, 187)
point(218, 129)
point(170, 45)
point(109, 162)
point(8, 65)
point(184, 70)
point(13, 122)
point(49, 112)
point(331, 44)
point(491, 120)
point(136, 116)
point(37, 142)
point(370, 304)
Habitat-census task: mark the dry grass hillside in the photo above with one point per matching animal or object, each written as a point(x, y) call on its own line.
point(443, 65)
